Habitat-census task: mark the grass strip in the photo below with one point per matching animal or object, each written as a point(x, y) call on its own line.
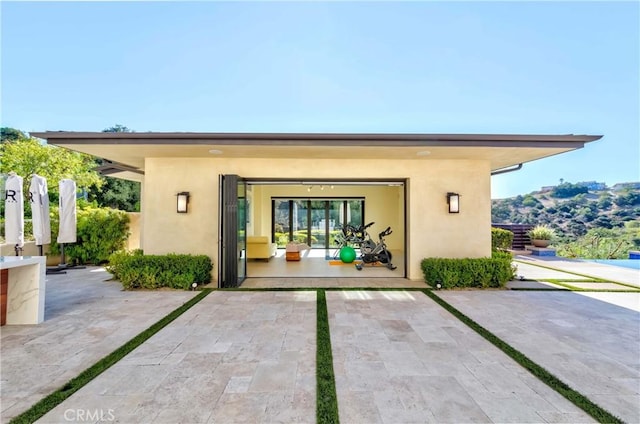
point(54, 399)
point(597, 412)
point(326, 397)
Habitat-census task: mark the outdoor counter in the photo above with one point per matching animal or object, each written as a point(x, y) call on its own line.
point(23, 289)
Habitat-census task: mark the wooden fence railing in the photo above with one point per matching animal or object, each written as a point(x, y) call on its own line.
point(520, 237)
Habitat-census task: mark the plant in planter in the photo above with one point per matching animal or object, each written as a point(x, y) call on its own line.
point(541, 235)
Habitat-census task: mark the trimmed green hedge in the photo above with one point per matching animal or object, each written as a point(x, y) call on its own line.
point(138, 271)
point(469, 272)
point(501, 238)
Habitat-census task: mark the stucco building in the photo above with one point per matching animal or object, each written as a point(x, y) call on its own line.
point(256, 184)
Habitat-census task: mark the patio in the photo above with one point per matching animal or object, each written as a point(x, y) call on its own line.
point(240, 356)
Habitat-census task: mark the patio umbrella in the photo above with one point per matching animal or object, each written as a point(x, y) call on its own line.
point(67, 229)
point(14, 212)
point(39, 198)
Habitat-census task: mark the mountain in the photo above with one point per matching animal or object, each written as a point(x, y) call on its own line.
point(572, 209)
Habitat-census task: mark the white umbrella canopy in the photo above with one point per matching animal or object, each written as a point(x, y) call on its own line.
point(14, 211)
point(67, 231)
point(39, 198)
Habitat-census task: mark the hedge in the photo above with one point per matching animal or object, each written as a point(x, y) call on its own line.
point(137, 271)
point(99, 232)
point(501, 238)
point(469, 272)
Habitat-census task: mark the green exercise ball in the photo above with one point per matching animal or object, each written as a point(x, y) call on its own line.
point(347, 254)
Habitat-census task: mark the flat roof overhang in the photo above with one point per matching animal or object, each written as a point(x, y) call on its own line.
point(128, 150)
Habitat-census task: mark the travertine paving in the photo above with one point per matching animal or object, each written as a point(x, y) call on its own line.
point(86, 318)
point(592, 345)
point(235, 357)
point(243, 356)
point(401, 358)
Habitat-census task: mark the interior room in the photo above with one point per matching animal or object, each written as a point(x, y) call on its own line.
point(312, 215)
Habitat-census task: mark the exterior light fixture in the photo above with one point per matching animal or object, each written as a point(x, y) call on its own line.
point(183, 202)
point(453, 199)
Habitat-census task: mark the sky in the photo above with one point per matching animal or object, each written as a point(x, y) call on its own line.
point(354, 67)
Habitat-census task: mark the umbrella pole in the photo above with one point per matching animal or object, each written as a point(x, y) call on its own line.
point(63, 264)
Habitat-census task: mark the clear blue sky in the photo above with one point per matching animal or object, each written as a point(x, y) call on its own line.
point(417, 67)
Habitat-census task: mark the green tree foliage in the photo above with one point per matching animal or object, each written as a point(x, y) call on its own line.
point(566, 190)
point(28, 156)
point(117, 193)
point(627, 198)
point(11, 134)
point(602, 243)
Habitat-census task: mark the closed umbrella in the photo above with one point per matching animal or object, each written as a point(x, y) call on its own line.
point(14, 212)
point(67, 229)
point(39, 198)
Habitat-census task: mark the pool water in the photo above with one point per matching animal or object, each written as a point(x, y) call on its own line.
point(626, 263)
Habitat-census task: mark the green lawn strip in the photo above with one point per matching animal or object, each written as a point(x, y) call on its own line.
point(54, 399)
point(575, 397)
point(326, 397)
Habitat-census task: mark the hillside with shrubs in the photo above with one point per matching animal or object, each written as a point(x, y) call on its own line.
point(589, 219)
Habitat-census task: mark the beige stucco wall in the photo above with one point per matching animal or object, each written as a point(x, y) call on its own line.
point(135, 225)
point(431, 230)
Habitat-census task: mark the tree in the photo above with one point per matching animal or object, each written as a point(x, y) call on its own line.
point(117, 193)
point(11, 134)
point(27, 156)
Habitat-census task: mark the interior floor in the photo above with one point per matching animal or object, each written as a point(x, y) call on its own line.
point(321, 263)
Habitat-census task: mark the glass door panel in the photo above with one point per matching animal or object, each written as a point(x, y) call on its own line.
point(319, 223)
point(281, 222)
point(336, 222)
point(300, 221)
point(242, 230)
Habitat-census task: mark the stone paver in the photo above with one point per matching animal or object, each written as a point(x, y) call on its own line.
point(592, 345)
point(235, 357)
point(243, 356)
point(399, 357)
point(86, 318)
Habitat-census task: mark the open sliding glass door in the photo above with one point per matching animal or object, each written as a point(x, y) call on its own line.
point(232, 232)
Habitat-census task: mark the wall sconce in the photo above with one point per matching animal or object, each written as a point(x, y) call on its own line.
point(183, 202)
point(453, 199)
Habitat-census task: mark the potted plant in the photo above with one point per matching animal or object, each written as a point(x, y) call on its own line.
point(541, 235)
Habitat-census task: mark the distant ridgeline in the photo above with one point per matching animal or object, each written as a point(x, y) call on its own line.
point(572, 209)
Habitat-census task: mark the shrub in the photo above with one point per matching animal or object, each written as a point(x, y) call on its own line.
point(100, 232)
point(136, 270)
point(469, 272)
point(501, 239)
point(541, 232)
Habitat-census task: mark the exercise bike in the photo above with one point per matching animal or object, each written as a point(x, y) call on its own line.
point(351, 236)
point(373, 253)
